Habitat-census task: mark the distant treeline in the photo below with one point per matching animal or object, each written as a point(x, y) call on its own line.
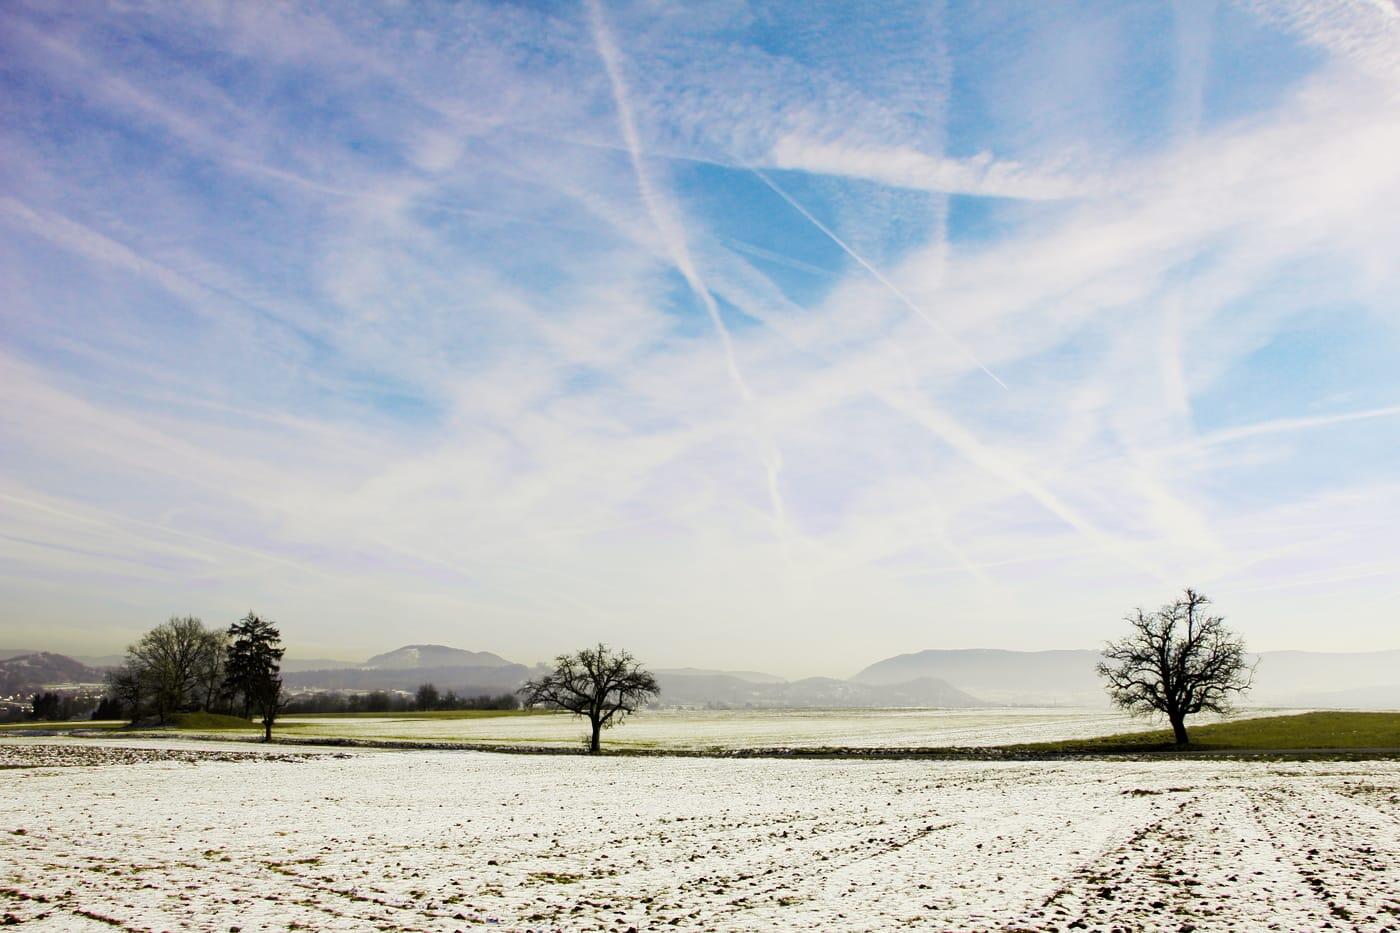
point(425, 699)
point(49, 706)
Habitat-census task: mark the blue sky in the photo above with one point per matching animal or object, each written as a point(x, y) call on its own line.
point(753, 335)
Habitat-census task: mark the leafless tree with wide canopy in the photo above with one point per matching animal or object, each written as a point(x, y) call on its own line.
point(600, 683)
point(1177, 661)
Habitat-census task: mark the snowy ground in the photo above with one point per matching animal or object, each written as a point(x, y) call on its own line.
point(699, 729)
point(149, 839)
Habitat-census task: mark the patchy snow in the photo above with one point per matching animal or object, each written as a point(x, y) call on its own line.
point(460, 840)
point(48, 753)
point(702, 729)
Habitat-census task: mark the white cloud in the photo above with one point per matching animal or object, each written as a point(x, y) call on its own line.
point(498, 344)
point(982, 175)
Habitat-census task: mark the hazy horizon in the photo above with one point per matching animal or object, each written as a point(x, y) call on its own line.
point(296, 652)
point(758, 337)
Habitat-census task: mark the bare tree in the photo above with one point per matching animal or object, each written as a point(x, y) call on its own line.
point(270, 701)
point(602, 684)
point(125, 686)
point(167, 660)
point(209, 668)
point(1177, 661)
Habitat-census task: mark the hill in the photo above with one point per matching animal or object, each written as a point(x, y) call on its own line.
point(468, 680)
point(729, 690)
point(998, 676)
point(1364, 680)
point(100, 661)
point(1331, 730)
point(753, 677)
point(29, 672)
point(434, 656)
point(405, 669)
point(1282, 678)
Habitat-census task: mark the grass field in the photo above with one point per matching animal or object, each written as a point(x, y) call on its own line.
point(430, 715)
point(50, 726)
point(213, 722)
point(1338, 730)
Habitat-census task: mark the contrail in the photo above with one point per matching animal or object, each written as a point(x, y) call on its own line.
point(115, 523)
point(660, 215)
point(894, 289)
point(1285, 425)
point(991, 461)
point(949, 430)
point(676, 245)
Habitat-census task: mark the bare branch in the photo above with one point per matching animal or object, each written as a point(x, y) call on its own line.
point(1176, 661)
point(602, 684)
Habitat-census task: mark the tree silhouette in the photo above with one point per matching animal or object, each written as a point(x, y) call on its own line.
point(253, 659)
point(602, 684)
point(167, 660)
point(270, 701)
point(1177, 661)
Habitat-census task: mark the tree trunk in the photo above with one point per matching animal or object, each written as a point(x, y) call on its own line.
point(595, 743)
point(267, 730)
point(1179, 728)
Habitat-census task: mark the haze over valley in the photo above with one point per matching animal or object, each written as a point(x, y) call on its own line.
point(969, 678)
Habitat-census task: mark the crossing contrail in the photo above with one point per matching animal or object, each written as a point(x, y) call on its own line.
point(674, 238)
point(879, 277)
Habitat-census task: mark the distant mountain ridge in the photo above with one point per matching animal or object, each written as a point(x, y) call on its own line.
point(28, 672)
point(100, 661)
point(422, 656)
point(1059, 677)
point(484, 672)
point(1360, 679)
point(949, 678)
point(463, 679)
point(753, 677)
point(406, 667)
point(729, 690)
point(1067, 677)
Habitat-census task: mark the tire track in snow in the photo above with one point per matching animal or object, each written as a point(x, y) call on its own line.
point(440, 841)
point(1358, 877)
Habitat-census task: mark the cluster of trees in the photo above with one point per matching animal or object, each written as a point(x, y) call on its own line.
point(428, 698)
point(183, 666)
point(384, 701)
point(48, 706)
point(1177, 661)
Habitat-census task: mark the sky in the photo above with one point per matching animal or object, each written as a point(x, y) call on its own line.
point(781, 336)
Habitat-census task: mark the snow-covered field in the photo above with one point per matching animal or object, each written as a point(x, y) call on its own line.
point(145, 838)
point(698, 729)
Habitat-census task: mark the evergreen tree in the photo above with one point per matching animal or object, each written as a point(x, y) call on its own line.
point(253, 661)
